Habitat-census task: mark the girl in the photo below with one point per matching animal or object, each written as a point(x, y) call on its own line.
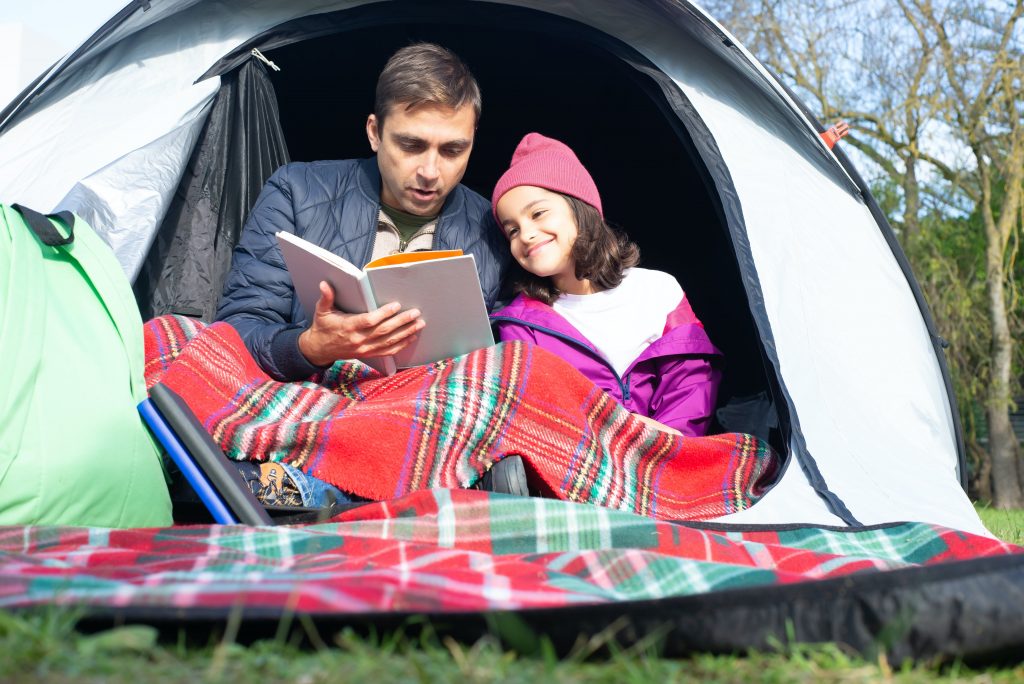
point(630, 330)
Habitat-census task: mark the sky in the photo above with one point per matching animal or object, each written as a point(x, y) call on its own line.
point(36, 33)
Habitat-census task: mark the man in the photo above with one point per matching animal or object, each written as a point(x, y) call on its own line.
point(407, 198)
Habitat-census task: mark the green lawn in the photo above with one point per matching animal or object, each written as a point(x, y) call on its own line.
point(1007, 525)
point(45, 647)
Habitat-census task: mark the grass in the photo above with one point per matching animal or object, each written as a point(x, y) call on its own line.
point(1007, 525)
point(45, 646)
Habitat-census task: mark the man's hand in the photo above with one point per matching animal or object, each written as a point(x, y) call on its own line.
point(656, 425)
point(335, 335)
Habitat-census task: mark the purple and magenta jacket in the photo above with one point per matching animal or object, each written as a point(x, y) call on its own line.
point(674, 380)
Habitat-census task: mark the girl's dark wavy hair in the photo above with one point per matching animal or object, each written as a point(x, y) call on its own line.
point(602, 255)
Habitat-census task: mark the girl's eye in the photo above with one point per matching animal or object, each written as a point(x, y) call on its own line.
point(537, 214)
point(512, 232)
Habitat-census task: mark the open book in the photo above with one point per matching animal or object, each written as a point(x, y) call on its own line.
point(443, 285)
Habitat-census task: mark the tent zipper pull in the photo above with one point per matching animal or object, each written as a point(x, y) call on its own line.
point(260, 56)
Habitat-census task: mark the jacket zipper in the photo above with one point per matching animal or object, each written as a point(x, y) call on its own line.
point(402, 243)
point(623, 385)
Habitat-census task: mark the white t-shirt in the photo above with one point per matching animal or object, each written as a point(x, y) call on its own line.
point(623, 321)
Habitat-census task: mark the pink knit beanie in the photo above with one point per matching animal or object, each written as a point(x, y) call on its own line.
point(549, 164)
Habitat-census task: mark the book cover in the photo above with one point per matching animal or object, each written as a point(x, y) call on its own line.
point(443, 285)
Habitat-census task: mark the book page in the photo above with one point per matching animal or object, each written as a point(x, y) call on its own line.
point(316, 250)
point(447, 292)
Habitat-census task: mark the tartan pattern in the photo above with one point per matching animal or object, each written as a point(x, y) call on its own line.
point(446, 550)
point(444, 424)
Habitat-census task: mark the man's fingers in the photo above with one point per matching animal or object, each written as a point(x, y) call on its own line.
point(388, 317)
point(374, 318)
point(394, 348)
point(404, 331)
point(325, 304)
point(385, 344)
point(397, 322)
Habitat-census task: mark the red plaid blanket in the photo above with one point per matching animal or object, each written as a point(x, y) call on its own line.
point(444, 424)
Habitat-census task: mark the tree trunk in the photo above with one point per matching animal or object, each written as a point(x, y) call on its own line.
point(1002, 442)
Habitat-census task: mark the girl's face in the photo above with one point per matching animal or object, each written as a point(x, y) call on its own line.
point(541, 229)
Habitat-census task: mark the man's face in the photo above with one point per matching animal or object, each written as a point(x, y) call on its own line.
point(422, 154)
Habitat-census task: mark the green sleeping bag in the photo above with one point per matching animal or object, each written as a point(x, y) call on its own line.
point(73, 449)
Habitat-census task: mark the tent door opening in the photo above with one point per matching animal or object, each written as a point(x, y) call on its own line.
point(537, 73)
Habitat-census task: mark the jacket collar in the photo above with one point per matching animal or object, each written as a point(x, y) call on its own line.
point(533, 311)
point(684, 333)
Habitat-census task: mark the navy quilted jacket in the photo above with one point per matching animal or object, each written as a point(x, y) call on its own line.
point(334, 204)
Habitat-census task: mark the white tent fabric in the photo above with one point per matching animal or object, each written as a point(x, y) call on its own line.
point(104, 116)
point(854, 353)
point(873, 410)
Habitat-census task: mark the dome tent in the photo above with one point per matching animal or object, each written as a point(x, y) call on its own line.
point(702, 156)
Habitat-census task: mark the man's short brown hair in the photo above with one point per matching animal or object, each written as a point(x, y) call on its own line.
point(425, 73)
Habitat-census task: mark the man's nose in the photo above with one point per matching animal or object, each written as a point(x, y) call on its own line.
point(429, 169)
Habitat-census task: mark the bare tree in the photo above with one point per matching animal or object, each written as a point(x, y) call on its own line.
point(984, 74)
point(932, 96)
point(860, 61)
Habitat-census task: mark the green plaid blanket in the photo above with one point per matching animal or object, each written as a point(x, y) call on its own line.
point(447, 550)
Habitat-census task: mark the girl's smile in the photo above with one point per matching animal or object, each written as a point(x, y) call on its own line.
point(535, 248)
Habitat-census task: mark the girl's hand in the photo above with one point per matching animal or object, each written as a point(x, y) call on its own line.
point(658, 426)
